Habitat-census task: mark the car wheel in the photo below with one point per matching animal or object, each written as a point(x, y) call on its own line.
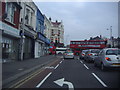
point(102, 67)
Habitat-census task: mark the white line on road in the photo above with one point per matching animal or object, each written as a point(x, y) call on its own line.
point(61, 62)
point(99, 80)
point(85, 66)
point(81, 61)
point(43, 80)
point(56, 66)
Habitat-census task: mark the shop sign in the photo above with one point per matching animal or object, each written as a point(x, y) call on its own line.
point(47, 41)
point(9, 29)
point(41, 37)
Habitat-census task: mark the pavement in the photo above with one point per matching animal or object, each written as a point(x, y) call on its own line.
point(13, 70)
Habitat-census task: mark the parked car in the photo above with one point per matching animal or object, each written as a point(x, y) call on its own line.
point(108, 57)
point(91, 54)
point(83, 54)
point(68, 54)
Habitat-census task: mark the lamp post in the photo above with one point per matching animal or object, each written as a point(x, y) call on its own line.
point(110, 35)
point(22, 34)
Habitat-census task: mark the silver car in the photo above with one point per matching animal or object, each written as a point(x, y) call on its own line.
point(108, 57)
point(91, 54)
point(68, 54)
point(83, 54)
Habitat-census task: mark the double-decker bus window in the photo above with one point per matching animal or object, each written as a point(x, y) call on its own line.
point(102, 43)
point(73, 42)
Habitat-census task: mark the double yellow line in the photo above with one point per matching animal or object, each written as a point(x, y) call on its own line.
point(21, 82)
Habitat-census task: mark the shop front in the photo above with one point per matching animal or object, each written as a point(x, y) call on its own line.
point(40, 46)
point(47, 44)
point(29, 44)
point(10, 42)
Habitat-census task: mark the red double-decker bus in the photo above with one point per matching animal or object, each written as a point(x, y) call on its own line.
point(78, 46)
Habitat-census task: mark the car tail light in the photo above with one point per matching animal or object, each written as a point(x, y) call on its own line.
point(83, 54)
point(108, 59)
point(89, 54)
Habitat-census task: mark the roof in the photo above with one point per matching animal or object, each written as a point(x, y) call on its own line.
point(56, 23)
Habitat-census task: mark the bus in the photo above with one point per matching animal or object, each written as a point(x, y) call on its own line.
point(60, 50)
point(52, 50)
point(78, 46)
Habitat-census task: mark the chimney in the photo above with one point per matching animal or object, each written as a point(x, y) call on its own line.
point(50, 18)
point(56, 21)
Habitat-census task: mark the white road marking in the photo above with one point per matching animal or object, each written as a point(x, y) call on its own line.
point(62, 81)
point(99, 80)
point(56, 66)
point(61, 62)
point(81, 61)
point(49, 67)
point(20, 69)
point(43, 80)
point(85, 66)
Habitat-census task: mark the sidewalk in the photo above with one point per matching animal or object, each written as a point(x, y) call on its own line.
point(14, 70)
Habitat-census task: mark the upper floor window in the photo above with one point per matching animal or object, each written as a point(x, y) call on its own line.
point(27, 16)
point(10, 10)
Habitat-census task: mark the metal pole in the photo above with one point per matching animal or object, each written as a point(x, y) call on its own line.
point(111, 36)
point(22, 37)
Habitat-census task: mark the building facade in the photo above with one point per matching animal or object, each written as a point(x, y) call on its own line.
point(57, 32)
point(47, 24)
point(40, 42)
point(28, 30)
point(10, 30)
point(54, 31)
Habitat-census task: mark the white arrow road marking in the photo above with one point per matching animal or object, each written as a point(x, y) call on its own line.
point(43, 80)
point(60, 82)
point(99, 80)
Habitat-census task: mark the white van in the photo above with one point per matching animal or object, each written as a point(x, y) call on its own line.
point(60, 50)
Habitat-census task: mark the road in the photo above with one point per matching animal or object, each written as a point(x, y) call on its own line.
point(67, 73)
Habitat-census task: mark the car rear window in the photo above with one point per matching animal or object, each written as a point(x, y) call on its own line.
point(95, 51)
point(113, 52)
point(84, 51)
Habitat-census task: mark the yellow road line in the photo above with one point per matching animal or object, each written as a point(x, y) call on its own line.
point(21, 82)
point(33, 74)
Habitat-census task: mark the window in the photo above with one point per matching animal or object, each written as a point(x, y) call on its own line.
point(101, 53)
point(31, 22)
point(113, 52)
point(38, 27)
point(52, 33)
point(27, 16)
point(10, 10)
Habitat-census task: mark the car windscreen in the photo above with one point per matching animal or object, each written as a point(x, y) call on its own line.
point(113, 52)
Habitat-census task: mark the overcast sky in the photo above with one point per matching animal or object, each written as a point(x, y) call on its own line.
point(83, 20)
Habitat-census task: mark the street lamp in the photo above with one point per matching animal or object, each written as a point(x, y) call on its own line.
point(110, 35)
